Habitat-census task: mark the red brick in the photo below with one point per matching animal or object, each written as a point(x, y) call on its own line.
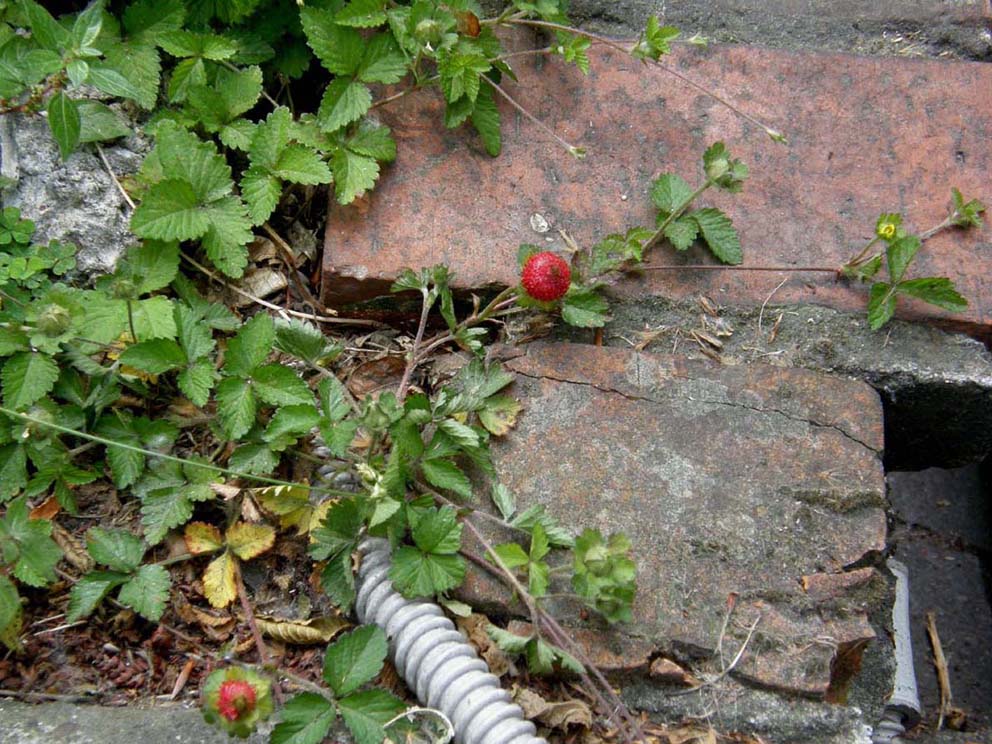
point(867, 135)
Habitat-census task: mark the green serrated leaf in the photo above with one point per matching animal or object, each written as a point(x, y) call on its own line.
point(338, 581)
point(250, 346)
point(27, 543)
point(354, 174)
point(354, 659)
point(304, 341)
point(26, 377)
point(512, 555)
point(170, 210)
point(338, 533)
point(304, 719)
point(939, 291)
point(63, 120)
point(299, 164)
point(486, 120)
point(162, 510)
point(153, 318)
point(383, 62)
point(509, 642)
point(418, 574)
point(11, 614)
point(99, 123)
point(154, 356)
point(147, 592)
point(584, 307)
point(281, 386)
point(682, 233)
point(294, 421)
point(719, 233)
point(339, 49)
point(118, 550)
point(443, 473)
point(362, 14)
point(366, 712)
point(373, 141)
point(235, 406)
point(87, 593)
point(504, 500)
point(670, 192)
point(345, 100)
point(44, 28)
point(900, 254)
point(140, 61)
point(261, 192)
point(438, 531)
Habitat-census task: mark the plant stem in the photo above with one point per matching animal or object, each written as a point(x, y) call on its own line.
point(660, 232)
point(130, 322)
point(773, 133)
point(577, 152)
point(412, 360)
point(150, 453)
point(726, 267)
point(263, 653)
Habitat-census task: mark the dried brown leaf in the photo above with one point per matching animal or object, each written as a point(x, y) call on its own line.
point(474, 626)
point(74, 549)
point(302, 632)
point(556, 715)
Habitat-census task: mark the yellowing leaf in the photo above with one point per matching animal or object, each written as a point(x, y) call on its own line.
point(317, 630)
point(290, 503)
point(250, 540)
point(219, 580)
point(500, 414)
point(202, 538)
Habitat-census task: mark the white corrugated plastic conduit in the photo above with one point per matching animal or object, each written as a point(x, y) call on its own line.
point(436, 661)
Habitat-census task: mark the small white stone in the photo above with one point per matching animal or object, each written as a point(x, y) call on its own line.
point(538, 224)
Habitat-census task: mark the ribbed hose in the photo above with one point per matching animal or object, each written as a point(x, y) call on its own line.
point(436, 661)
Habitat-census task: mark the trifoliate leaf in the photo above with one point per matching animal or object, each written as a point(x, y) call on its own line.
point(304, 719)
point(154, 356)
point(533, 515)
point(460, 74)
point(438, 531)
point(365, 713)
point(719, 233)
point(362, 14)
point(26, 377)
point(202, 538)
point(682, 233)
point(507, 641)
point(354, 659)
point(900, 254)
point(339, 49)
point(248, 541)
point(584, 307)
point(345, 100)
point(443, 473)
point(118, 550)
point(418, 574)
point(966, 214)
point(11, 614)
point(281, 386)
point(28, 544)
point(937, 291)
point(670, 192)
point(147, 591)
point(354, 174)
point(220, 580)
point(270, 137)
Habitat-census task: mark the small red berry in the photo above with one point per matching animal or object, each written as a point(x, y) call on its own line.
point(546, 276)
point(235, 698)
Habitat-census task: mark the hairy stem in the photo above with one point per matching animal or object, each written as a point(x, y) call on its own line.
point(413, 359)
point(577, 152)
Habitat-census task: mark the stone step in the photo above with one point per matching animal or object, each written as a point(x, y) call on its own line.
point(867, 135)
point(753, 485)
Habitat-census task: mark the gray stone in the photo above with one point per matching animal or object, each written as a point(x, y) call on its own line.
point(749, 483)
point(73, 201)
point(953, 504)
point(891, 27)
point(936, 386)
point(64, 723)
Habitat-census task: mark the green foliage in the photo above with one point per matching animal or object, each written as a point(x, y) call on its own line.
point(431, 565)
point(143, 588)
point(604, 574)
point(901, 250)
point(542, 657)
point(350, 662)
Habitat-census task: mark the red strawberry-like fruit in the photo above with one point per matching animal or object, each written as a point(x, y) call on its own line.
point(546, 276)
point(235, 698)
